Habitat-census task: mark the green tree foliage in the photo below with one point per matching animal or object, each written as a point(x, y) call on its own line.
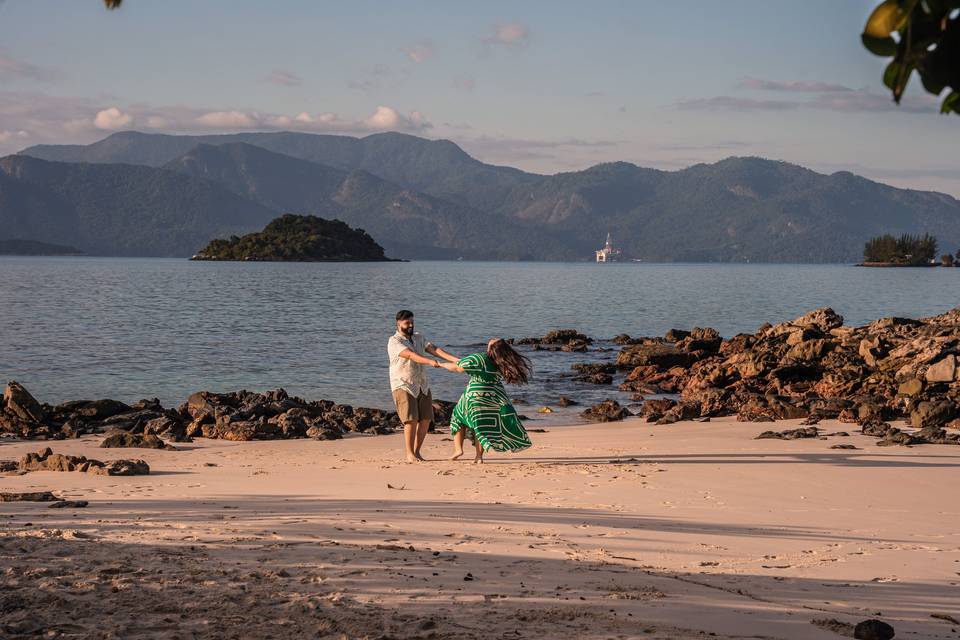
point(298, 238)
point(908, 249)
point(921, 36)
point(946, 260)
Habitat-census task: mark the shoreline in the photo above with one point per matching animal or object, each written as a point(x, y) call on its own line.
point(628, 528)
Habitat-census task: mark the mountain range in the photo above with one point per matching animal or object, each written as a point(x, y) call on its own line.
point(153, 194)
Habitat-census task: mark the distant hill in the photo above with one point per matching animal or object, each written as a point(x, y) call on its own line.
point(437, 167)
point(428, 198)
point(293, 238)
point(21, 247)
point(119, 210)
point(409, 224)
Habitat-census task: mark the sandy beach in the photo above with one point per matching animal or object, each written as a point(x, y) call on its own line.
point(605, 531)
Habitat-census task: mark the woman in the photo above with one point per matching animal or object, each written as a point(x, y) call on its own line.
point(484, 411)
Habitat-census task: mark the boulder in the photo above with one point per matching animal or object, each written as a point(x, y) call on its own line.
point(595, 378)
point(933, 413)
point(811, 350)
point(658, 406)
point(594, 367)
point(125, 468)
point(28, 496)
point(124, 439)
point(910, 387)
point(823, 319)
point(606, 411)
point(873, 630)
point(564, 336)
point(944, 370)
point(47, 460)
point(676, 335)
point(790, 434)
point(93, 410)
point(169, 425)
point(564, 401)
point(20, 403)
point(660, 355)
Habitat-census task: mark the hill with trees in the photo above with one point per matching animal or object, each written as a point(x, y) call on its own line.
point(293, 238)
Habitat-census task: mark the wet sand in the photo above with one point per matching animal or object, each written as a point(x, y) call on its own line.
point(602, 531)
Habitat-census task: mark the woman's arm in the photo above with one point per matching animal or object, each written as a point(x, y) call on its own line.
point(410, 354)
point(452, 366)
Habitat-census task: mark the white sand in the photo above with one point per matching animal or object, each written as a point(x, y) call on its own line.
point(606, 531)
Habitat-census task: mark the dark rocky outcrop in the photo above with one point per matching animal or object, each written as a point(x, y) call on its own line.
point(813, 367)
point(28, 496)
point(124, 439)
point(239, 415)
point(790, 434)
point(873, 630)
point(557, 340)
point(47, 460)
point(606, 411)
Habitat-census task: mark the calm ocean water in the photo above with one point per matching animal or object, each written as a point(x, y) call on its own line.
point(77, 328)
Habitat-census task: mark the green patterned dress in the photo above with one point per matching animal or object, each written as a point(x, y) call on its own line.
point(484, 409)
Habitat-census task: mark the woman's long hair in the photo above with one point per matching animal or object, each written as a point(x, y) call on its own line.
point(514, 367)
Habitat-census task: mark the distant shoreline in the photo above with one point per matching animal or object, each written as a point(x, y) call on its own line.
point(896, 264)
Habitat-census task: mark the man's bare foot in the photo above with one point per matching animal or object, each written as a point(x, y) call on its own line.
point(412, 458)
point(456, 455)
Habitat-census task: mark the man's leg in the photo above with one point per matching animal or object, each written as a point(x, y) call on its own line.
point(408, 417)
point(410, 430)
point(422, 427)
point(425, 412)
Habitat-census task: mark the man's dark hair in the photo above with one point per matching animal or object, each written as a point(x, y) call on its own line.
point(404, 315)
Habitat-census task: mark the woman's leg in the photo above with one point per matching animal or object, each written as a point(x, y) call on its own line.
point(458, 443)
point(479, 447)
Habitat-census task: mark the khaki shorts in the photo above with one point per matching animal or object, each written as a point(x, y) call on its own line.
point(412, 409)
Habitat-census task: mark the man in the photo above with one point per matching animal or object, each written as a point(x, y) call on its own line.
point(408, 381)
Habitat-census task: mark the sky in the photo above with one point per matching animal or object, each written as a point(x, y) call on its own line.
point(546, 86)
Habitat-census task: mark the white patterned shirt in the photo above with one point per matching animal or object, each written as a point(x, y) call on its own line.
point(406, 374)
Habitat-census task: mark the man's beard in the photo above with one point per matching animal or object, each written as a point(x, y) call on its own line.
point(407, 332)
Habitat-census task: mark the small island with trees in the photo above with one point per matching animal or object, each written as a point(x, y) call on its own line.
point(906, 251)
point(296, 238)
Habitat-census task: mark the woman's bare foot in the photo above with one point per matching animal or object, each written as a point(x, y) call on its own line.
point(412, 458)
point(478, 461)
point(421, 458)
point(456, 455)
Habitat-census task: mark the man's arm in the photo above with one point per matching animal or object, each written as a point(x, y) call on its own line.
point(440, 353)
point(410, 354)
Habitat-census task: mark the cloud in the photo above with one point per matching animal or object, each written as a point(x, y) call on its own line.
point(112, 119)
point(388, 118)
point(13, 69)
point(7, 136)
point(228, 120)
point(283, 78)
point(729, 103)
point(513, 149)
point(465, 82)
point(853, 101)
point(65, 119)
point(510, 34)
point(798, 86)
point(419, 52)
